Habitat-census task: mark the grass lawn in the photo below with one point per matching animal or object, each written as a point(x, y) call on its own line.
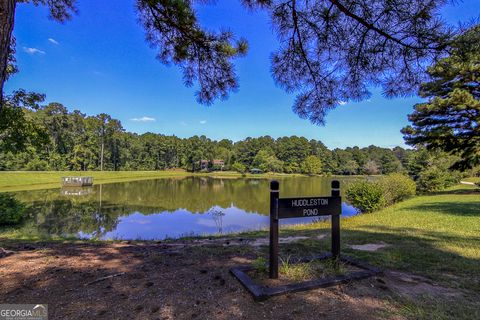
point(472, 179)
point(32, 180)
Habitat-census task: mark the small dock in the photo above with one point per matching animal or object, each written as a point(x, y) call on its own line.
point(77, 181)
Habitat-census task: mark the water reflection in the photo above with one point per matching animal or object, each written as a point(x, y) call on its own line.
point(157, 209)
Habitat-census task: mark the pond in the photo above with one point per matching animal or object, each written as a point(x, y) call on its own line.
point(163, 208)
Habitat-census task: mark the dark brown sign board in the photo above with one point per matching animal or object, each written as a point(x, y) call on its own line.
point(309, 207)
point(282, 208)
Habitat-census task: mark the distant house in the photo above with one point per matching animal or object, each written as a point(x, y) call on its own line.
point(204, 164)
point(216, 164)
point(255, 171)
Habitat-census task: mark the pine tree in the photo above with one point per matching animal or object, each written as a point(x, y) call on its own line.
point(450, 119)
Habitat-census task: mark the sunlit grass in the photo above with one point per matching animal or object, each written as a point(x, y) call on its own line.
point(299, 271)
point(472, 179)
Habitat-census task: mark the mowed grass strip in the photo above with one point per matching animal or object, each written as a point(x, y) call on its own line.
point(33, 180)
point(472, 179)
point(29, 180)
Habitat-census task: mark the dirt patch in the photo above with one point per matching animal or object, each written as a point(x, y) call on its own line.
point(414, 286)
point(227, 242)
point(170, 281)
point(258, 242)
point(266, 241)
point(371, 247)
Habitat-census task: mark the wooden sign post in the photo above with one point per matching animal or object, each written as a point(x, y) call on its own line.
point(284, 208)
point(274, 194)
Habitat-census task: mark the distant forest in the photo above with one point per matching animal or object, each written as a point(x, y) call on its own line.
point(73, 141)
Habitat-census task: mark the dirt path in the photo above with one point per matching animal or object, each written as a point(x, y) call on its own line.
point(170, 281)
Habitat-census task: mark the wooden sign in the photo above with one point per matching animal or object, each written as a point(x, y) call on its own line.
point(300, 208)
point(309, 207)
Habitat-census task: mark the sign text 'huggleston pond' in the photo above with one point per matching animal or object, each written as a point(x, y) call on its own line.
point(308, 207)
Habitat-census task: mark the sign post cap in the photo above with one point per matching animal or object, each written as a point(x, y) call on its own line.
point(274, 185)
point(335, 184)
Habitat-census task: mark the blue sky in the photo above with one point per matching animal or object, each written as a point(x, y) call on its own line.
point(99, 62)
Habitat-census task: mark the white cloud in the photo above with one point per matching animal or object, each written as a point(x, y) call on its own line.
point(53, 41)
point(203, 121)
point(143, 119)
point(183, 123)
point(342, 103)
point(33, 50)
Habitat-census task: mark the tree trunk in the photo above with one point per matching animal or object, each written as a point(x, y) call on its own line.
point(101, 155)
point(7, 15)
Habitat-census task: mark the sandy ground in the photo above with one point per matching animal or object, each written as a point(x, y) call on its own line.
point(178, 281)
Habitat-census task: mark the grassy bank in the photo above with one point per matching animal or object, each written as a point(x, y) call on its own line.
point(472, 179)
point(34, 180)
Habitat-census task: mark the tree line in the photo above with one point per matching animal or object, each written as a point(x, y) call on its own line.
point(65, 140)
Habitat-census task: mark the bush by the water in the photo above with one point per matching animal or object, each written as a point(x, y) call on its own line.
point(369, 196)
point(366, 196)
point(435, 179)
point(11, 210)
point(237, 166)
point(397, 187)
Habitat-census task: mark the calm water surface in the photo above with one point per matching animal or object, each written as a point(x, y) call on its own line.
point(163, 208)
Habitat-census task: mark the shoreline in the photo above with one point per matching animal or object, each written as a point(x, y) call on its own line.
point(13, 181)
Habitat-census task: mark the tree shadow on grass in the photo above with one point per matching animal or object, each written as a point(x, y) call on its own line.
point(465, 209)
point(463, 191)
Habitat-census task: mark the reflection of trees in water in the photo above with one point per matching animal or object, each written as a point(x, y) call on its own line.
point(217, 216)
point(98, 213)
point(65, 217)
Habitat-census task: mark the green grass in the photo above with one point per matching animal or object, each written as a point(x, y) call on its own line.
point(33, 180)
point(309, 270)
point(30, 180)
point(472, 179)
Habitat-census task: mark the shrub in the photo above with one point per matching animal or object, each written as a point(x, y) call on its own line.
point(434, 179)
point(397, 187)
point(37, 165)
point(11, 210)
point(260, 265)
point(366, 196)
point(291, 167)
point(237, 166)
